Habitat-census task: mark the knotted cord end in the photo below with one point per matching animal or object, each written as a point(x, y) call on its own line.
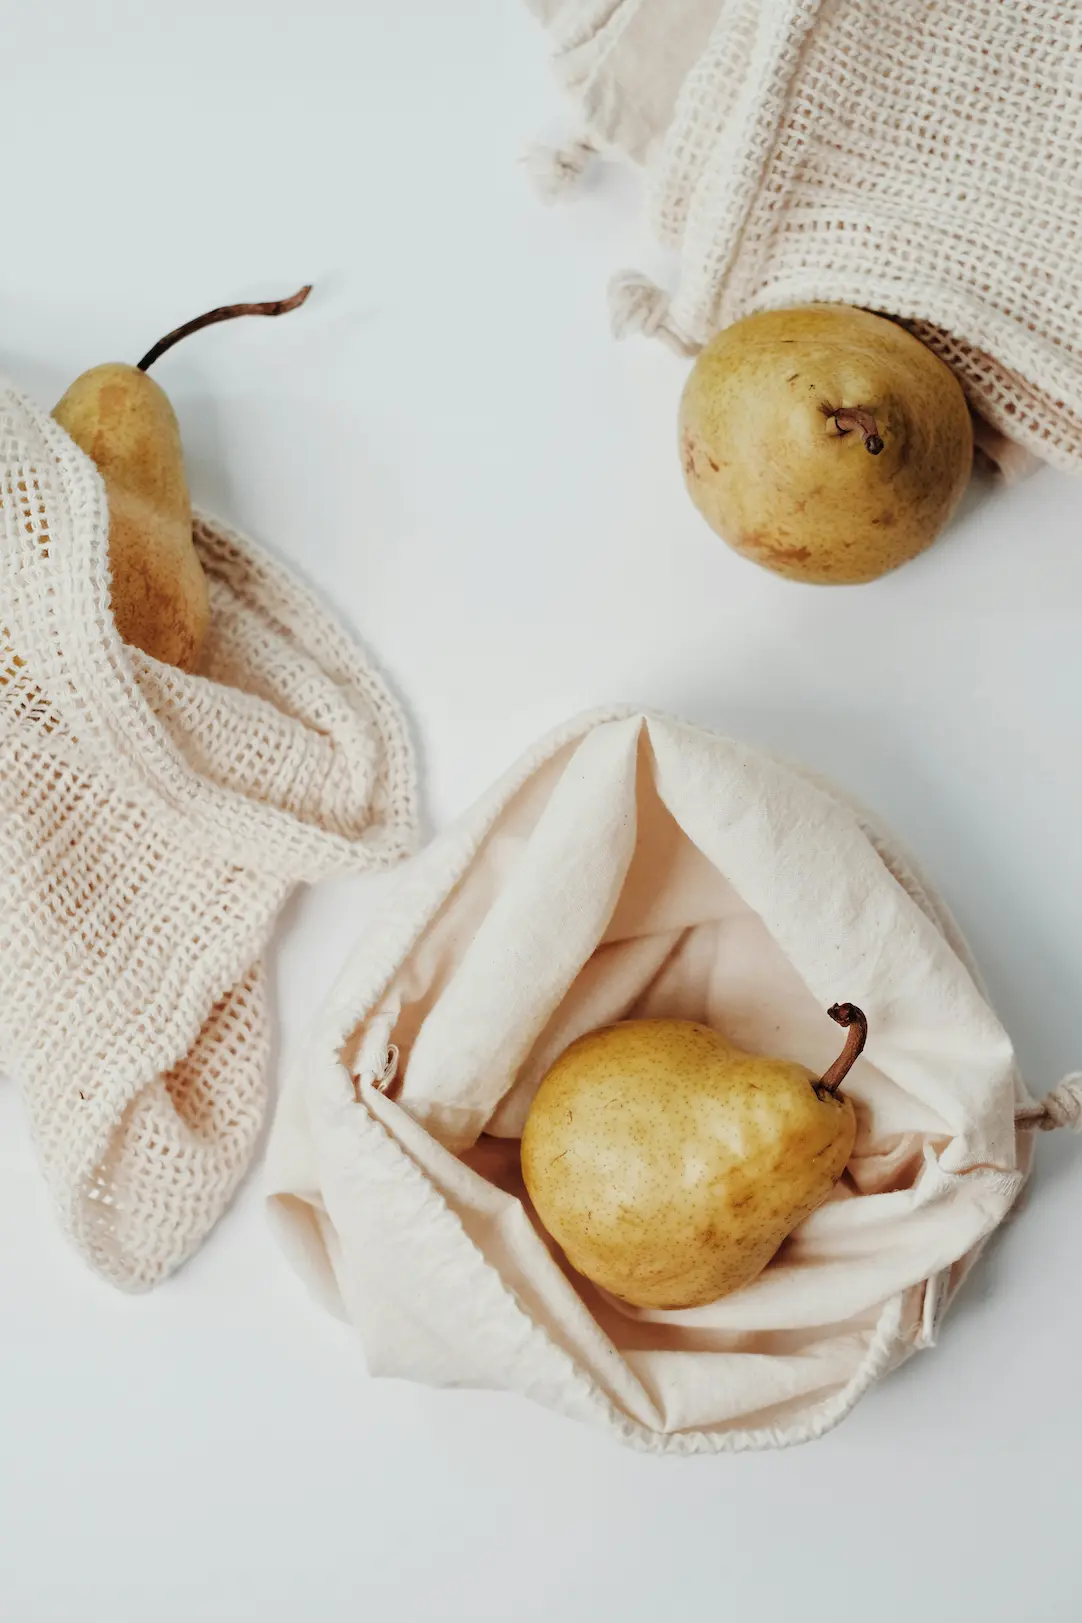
point(1060, 1108)
point(555, 171)
point(637, 305)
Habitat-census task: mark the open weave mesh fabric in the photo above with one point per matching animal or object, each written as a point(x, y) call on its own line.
point(151, 825)
point(921, 160)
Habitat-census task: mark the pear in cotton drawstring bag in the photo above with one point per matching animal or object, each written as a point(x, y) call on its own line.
point(632, 865)
point(152, 823)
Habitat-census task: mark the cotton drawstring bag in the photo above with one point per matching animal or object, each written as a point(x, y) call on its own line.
point(917, 160)
point(151, 825)
point(632, 865)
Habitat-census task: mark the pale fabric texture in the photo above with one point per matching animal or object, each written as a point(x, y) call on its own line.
point(920, 160)
point(633, 865)
point(151, 825)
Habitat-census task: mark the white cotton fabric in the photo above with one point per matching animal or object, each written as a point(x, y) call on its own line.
point(632, 865)
point(151, 825)
point(919, 160)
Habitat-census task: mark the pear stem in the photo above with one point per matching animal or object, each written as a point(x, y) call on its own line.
point(224, 312)
point(846, 1014)
point(850, 417)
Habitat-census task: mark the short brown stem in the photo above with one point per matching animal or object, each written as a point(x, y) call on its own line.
point(855, 417)
point(224, 312)
point(846, 1014)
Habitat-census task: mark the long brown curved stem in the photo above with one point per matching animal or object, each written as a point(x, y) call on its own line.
point(849, 418)
point(224, 312)
point(846, 1014)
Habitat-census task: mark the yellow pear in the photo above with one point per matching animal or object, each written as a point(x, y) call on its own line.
point(823, 442)
point(124, 422)
point(670, 1166)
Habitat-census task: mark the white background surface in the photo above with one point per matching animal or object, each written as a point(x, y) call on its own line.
point(450, 445)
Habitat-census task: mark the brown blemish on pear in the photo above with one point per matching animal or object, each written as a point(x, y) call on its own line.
point(688, 1162)
point(860, 466)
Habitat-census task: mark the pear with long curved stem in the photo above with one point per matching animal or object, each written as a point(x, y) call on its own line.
point(124, 422)
point(671, 1166)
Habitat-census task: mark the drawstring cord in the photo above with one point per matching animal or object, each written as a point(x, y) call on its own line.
point(555, 171)
point(1060, 1108)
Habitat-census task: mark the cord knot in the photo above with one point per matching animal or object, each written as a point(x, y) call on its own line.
point(1063, 1106)
point(1060, 1108)
point(637, 305)
point(555, 171)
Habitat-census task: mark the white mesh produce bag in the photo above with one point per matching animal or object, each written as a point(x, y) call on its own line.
point(921, 160)
point(632, 865)
point(151, 825)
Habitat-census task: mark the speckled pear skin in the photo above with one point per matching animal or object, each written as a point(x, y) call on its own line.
point(768, 468)
point(670, 1166)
